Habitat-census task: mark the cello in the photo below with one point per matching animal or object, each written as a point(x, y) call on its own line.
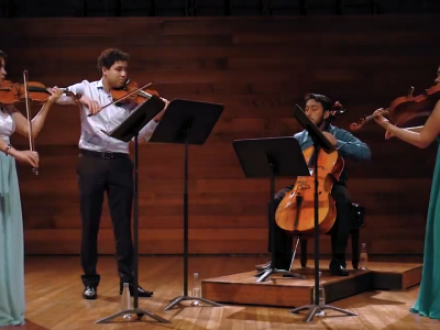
point(295, 213)
point(405, 108)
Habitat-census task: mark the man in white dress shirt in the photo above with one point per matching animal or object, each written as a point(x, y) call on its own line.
point(104, 165)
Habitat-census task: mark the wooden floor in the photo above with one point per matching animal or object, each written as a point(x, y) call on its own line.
point(53, 293)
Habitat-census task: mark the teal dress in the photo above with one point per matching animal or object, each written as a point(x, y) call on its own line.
point(428, 301)
point(12, 300)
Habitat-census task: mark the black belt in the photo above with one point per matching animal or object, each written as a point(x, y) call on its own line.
point(104, 155)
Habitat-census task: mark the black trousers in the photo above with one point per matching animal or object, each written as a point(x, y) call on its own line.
point(97, 175)
point(339, 232)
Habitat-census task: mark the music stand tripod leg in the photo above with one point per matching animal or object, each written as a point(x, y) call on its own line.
point(190, 123)
point(135, 310)
point(315, 308)
point(139, 312)
point(273, 170)
point(176, 301)
point(343, 311)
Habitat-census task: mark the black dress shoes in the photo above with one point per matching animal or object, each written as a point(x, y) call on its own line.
point(338, 268)
point(141, 291)
point(279, 264)
point(90, 292)
point(261, 268)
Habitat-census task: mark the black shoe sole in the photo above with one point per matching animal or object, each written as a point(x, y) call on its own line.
point(139, 295)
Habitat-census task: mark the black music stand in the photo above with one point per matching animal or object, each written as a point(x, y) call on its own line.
point(126, 131)
point(319, 142)
point(187, 122)
point(270, 157)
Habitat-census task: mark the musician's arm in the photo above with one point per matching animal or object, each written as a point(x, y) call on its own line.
point(75, 88)
point(147, 131)
point(350, 146)
point(423, 138)
point(414, 128)
point(21, 123)
point(8, 149)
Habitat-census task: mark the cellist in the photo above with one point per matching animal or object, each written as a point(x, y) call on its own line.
point(428, 300)
point(318, 108)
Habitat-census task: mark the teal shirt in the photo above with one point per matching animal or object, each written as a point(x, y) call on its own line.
point(348, 146)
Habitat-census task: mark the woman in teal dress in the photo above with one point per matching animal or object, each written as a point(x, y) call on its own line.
point(428, 300)
point(12, 302)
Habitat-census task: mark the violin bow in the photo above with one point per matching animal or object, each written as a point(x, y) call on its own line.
point(124, 97)
point(28, 114)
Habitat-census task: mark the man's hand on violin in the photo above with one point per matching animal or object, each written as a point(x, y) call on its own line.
point(94, 106)
point(55, 94)
point(330, 137)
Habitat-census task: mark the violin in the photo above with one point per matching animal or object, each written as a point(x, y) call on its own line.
point(296, 213)
point(11, 93)
point(405, 108)
point(130, 92)
point(130, 88)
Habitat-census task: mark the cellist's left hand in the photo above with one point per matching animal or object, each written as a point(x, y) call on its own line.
point(330, 137)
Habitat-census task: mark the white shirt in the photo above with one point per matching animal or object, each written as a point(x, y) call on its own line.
point(109, 118)
point(7, 124)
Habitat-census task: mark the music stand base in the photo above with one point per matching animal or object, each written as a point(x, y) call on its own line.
point(139, 312)
point(315, 309)
point(176, 301)
point(262, 276)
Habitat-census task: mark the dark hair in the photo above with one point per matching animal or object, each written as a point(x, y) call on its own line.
point(111, 55)
point(3, 55)
point(325, 102)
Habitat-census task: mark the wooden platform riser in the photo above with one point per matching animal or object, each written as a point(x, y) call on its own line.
point(280, 291)
point(281, 295)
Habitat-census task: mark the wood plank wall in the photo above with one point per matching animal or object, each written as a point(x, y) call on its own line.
point(258, 68)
